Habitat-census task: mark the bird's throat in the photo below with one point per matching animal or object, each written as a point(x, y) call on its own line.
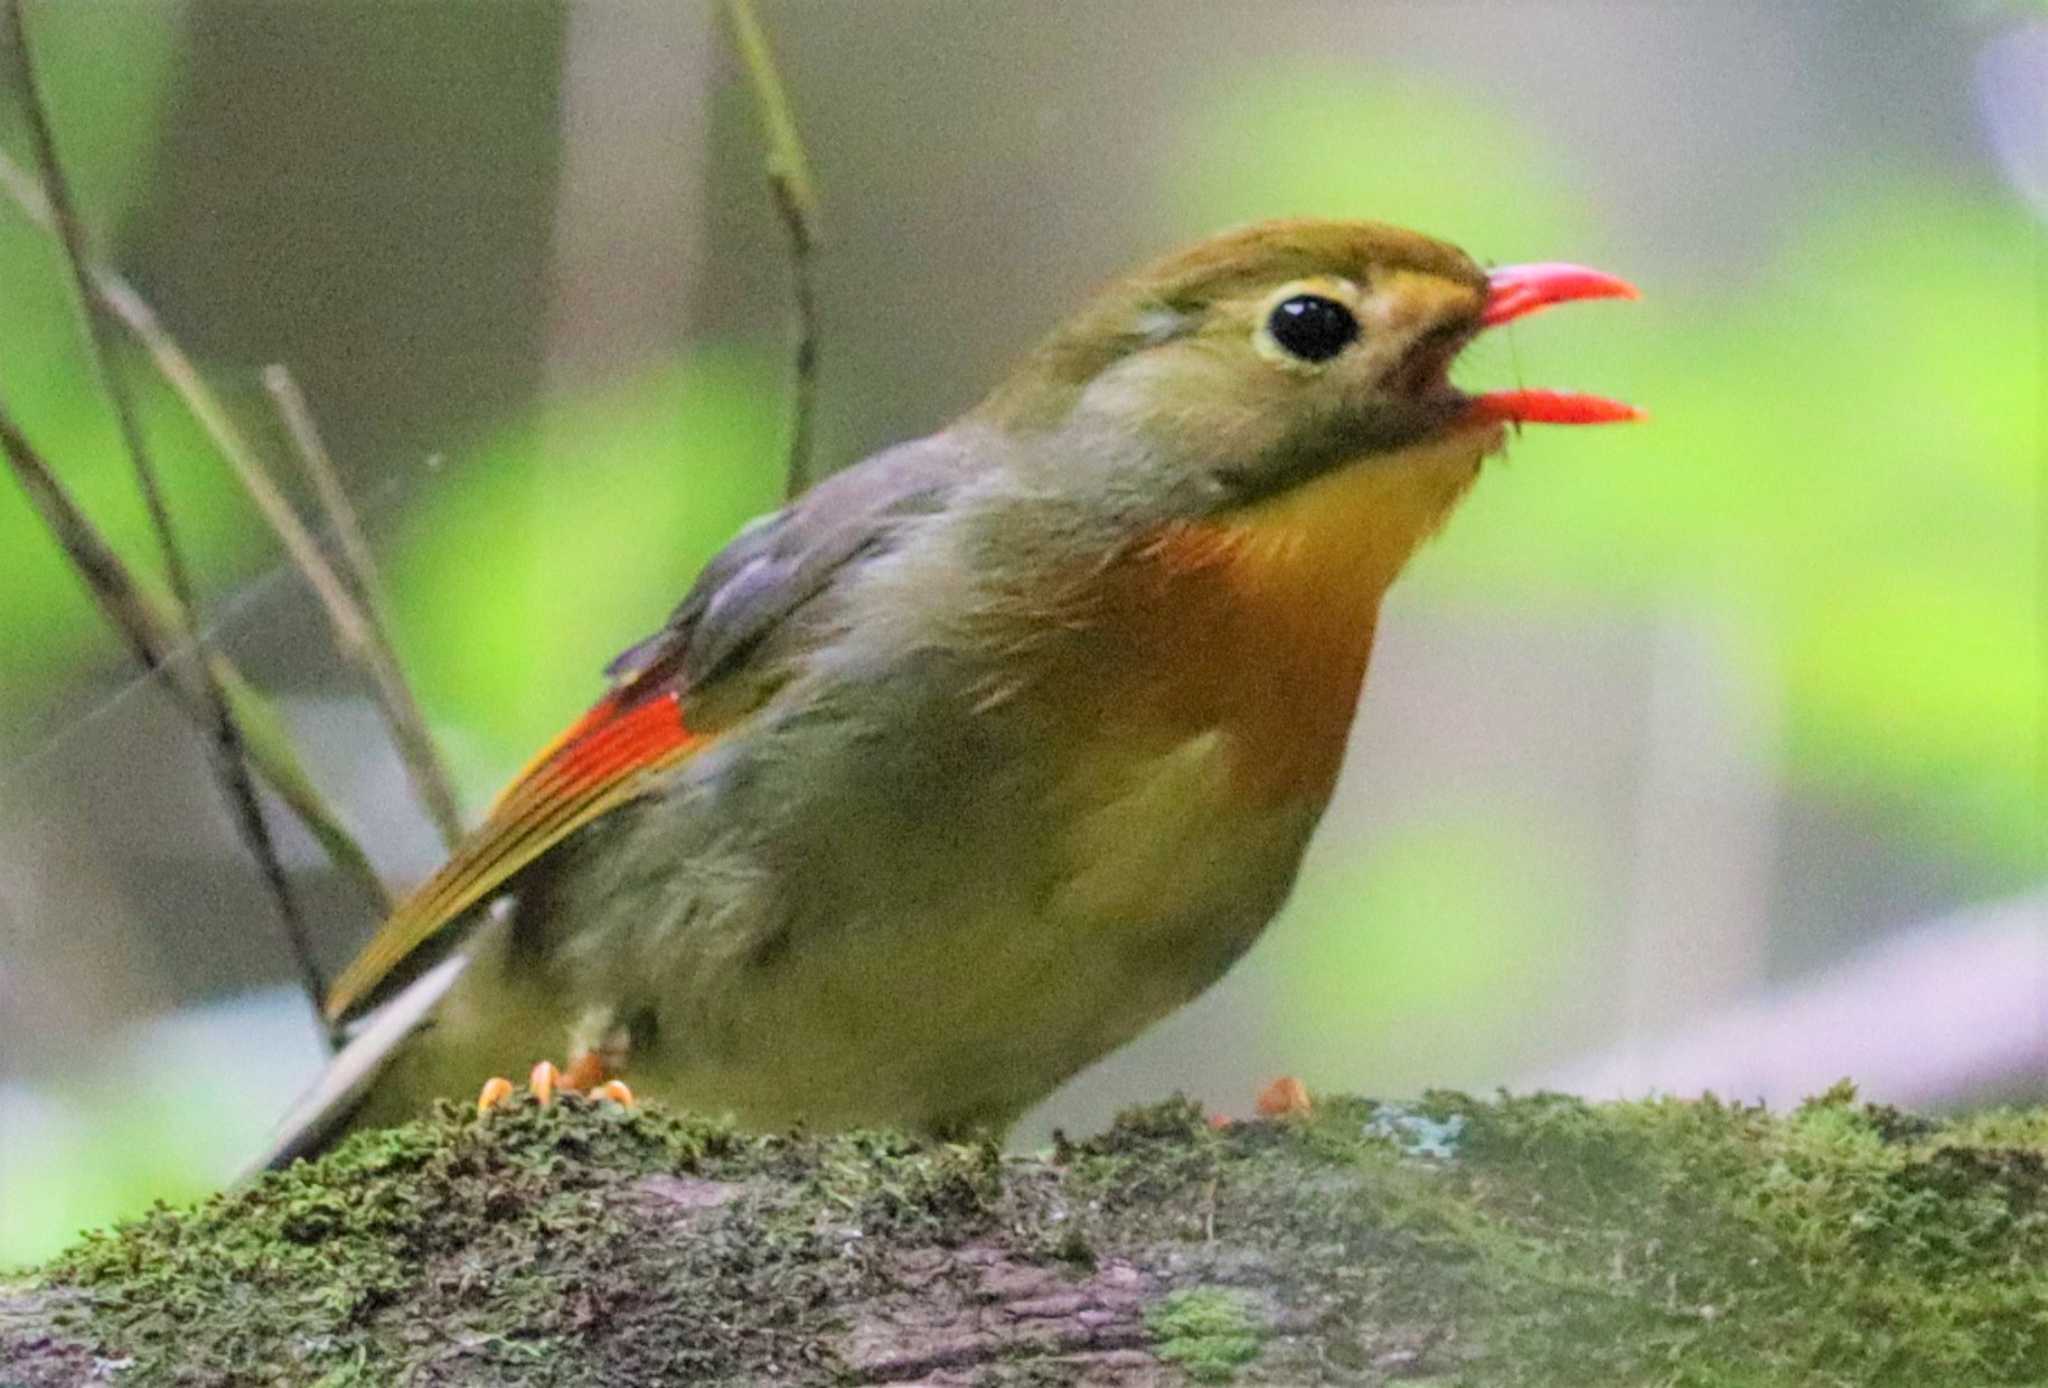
point(1351, 529)
point(1258, 623)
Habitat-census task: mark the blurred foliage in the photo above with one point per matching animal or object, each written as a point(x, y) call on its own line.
point(1292, 141)
point(81, 1167)
point(1839, 448)
point(107, 131)
point(115, 123)
point(571, 534)
point(145, 1114)
point(1456, 924)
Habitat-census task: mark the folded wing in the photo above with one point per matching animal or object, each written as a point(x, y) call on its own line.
point(606, 758)
point(722, 652)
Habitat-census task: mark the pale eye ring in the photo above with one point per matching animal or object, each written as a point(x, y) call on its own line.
point(1312, 327)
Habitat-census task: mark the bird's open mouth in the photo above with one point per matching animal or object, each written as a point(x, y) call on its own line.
point(1515, 291)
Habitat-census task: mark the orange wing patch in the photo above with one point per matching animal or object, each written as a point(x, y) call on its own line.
point(602, 761)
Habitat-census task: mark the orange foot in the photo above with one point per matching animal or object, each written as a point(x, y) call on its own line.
point(585, 1075)
point(1284, 1097)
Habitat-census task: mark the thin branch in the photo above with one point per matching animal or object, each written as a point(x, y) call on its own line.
point(803, 386)
point(358, 566)
point(230, 764)
point(353, 628)
point(150, 623)
point(376, 655)
point(796, 202)
point(352, 625)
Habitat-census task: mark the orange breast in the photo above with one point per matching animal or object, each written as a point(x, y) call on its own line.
point(1208, 629)
point(1259, 623)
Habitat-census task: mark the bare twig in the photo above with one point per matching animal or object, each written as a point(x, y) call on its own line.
point(230, 765)
point(803, 385)
point(358, 566)
point(796, 202)
point(375, 654)
point(352, 625)
point(150, 623)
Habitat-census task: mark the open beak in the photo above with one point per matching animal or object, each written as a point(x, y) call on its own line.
point(1516, 291)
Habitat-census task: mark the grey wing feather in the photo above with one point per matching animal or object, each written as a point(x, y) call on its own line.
point(780, 562)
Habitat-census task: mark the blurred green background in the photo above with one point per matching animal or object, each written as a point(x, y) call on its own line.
point(1671, 719)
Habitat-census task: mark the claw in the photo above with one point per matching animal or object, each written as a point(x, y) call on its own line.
point(585, 1075)
point(497, 1089)
point(614, 1091)
point(1285, 1097)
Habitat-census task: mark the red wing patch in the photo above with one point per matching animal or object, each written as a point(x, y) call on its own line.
point(599, 763)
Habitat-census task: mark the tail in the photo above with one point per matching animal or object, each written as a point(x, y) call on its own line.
point(322, 1115)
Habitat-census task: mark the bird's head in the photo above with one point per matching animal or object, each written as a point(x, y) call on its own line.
point(1265, 358)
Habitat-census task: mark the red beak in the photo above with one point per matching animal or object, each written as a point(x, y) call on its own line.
point(1516, 291)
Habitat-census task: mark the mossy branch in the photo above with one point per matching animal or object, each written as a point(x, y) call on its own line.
point(1538, 1241)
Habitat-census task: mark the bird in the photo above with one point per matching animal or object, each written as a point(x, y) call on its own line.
point(989, 751)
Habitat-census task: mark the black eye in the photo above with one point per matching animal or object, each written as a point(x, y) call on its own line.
point(1312, 327)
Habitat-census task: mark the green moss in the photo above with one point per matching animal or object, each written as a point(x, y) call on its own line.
point(1554, 1242)
point(1711, 1243)
point(313, 1270)
point(1210, 1333)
